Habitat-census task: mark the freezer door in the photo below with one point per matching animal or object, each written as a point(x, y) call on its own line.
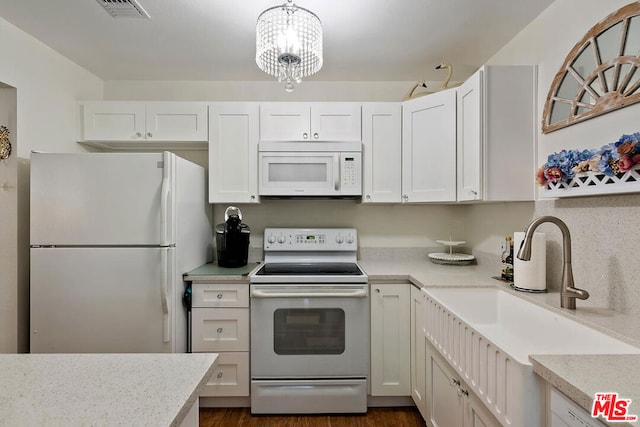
point(104, 300)
point(102, 199)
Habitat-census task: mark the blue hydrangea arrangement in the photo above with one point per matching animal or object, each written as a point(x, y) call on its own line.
point(611, 159)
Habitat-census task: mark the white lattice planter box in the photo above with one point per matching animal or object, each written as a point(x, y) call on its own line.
point(595, 183)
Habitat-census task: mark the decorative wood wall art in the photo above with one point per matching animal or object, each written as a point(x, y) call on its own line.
point(600, 74)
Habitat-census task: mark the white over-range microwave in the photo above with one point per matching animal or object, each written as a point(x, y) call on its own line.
point(315, 169)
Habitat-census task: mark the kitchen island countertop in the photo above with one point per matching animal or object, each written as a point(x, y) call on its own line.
point(101, 389)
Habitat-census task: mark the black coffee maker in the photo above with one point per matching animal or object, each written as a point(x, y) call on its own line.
point(232, 239)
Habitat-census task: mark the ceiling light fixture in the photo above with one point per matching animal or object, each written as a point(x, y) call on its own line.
point(289, 43)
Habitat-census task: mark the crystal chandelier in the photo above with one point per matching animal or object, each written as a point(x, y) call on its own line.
point(289, 43)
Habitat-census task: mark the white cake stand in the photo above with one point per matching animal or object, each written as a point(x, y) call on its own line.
point(451, 258)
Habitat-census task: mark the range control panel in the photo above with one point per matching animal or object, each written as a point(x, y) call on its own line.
point(310, 239)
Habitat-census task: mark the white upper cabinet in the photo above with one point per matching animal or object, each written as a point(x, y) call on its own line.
point(119, 124)
point(429, 148)
point(320, 121)
point(233, 152)
point(382, 152)
point(497, 134)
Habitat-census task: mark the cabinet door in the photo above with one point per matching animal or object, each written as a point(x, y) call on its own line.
point(477, 415)
point(390, 340)
point(445, 404)
point(336, 121)
point(382, 152)
point(176, 121)
point(285, 121)
point(233, 152)
point(418, 347)
point(230, 376)
point(220, 329)
point(470, 138)
point(429, 148)
point(113, 121)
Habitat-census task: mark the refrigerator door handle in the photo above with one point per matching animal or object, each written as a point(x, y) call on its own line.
point(165, 201)
point(164, 283)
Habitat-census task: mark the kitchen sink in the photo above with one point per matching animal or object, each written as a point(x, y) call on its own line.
point(487, 335)
point(521, 328)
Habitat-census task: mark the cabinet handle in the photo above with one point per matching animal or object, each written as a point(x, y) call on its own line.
point(474, 192)
point(454, 383)
point(219, 330)
point(219, 375)
point(368, 198)
point(316, 136)
point(405, 198)
point(252, 198)
point(462, 392)
point(377, 290)
point(138, 134)
point(149, 134)
point(219, 296)
point(305, 135)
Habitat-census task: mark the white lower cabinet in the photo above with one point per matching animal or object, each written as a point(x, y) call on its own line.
point(220, 324)
point(449, 401)
point(390, 340)
point(418, 351)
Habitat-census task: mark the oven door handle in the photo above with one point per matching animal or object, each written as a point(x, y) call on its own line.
point(332, 293)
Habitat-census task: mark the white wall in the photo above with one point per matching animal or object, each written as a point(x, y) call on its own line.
point(256, 91)
point(40, 111)
point(603, 228)
point(48, 86)
point(8, 228)
point(391, 225)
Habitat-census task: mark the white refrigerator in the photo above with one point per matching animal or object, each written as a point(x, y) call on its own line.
point(111, 236)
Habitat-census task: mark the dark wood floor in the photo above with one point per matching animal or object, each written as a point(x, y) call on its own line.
point(375, 417)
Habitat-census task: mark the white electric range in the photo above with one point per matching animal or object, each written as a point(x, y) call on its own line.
point(309, 323)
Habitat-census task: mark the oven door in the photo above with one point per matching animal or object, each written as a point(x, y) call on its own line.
point(309, 331)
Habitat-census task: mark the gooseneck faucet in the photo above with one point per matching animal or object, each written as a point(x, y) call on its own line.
point(568, 293)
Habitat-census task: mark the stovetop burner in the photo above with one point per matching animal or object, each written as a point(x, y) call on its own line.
point(312, 268)
point(310, 255)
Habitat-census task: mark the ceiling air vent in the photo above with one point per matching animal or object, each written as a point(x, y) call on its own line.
point(124, 8)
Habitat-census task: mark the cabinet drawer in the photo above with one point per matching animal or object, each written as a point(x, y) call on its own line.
point(220, 329)
point(230, 377)
point(220, 295)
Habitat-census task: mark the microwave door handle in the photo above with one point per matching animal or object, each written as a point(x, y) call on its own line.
point(336, 168)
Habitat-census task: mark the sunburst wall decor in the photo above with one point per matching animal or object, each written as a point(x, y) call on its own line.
point(600, 74)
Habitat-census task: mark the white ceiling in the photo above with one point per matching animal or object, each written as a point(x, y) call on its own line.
point(364, 40)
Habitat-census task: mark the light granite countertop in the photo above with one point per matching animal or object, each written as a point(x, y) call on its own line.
point(582, 376)
point(213, 272)
point(101, 389)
